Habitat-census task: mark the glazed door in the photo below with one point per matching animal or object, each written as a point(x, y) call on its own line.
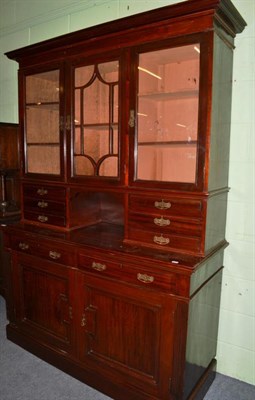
point(44, 123)
point(96, 91)
point(164, 117)
point(43, 302)
point(121, 334)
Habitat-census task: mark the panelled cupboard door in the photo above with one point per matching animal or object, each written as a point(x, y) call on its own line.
point(97, 89)
point(43, 306)
point(167, 132)
point(120, 334)
point(43, 122)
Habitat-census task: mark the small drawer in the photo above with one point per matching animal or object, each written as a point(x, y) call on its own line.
point(158, 239)
point(41, 205)
point(169, 206)
point(44, 192)
point(45, 218)
point(135, 275)
point(166, 224)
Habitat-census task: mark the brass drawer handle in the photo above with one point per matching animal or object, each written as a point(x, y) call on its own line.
point(42, 218)
point(145, 278)
point(23, 246)
point(161, 221)
point(54, 255)
point(42, 191)
point(42, 204)
point(161, 240)
point(162, 205)
point(98, 266)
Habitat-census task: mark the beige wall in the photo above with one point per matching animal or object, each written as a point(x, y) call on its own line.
point(23, 22)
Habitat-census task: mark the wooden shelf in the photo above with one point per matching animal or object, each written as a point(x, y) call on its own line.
point(98, 127)
point(169, 143)
point(44, 144)
point(44, 105)
point(165, 96)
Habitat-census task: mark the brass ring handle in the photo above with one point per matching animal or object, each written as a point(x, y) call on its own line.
point(61, 123)
point(83, 320)
point(42, 204)
point(131, 121)
point(42, 218)
point(42, 191)
point(68, 123)
point(23, 246)
point(145, 278)
point(161, 221)
point(162, 205)
point(98, 266)
point(161, 240)
point(54, 255)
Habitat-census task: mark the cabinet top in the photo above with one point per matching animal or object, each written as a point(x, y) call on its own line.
point(204, 15)
point(107, 241)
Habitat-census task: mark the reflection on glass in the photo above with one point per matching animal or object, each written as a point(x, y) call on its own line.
point(96, 138)
point(42, 123)
point(168, 114)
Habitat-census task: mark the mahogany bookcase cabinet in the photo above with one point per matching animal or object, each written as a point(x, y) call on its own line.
point(117, 261)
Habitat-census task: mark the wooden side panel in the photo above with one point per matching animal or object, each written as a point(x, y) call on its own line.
point(215, 221)
point(221, 114)
point(202, 331)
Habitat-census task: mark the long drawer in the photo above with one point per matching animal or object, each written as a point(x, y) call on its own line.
point(164, 224)
point(136, 275)
point(44, 249)
point(169, 206)
point(170, 242)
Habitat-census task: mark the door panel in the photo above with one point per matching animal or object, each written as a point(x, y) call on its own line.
point(121, 333)
point(44, 124)
point(42, 293)
point(96, 98)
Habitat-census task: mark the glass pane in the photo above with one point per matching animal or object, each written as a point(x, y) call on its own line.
point(42, 123)
point(168, 114)
point(96, 136)
point(43, 87)
point(43, 159)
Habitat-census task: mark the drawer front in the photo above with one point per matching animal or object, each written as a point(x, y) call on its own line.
point(165, 224)
point(44, 192)
point(158, 239)
point(24, 245)
point(41, 205)
point(169, 206)
point(134, 275)
point(45, 249)
point(45, 218)
point(97, 264)
point(54, 252)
